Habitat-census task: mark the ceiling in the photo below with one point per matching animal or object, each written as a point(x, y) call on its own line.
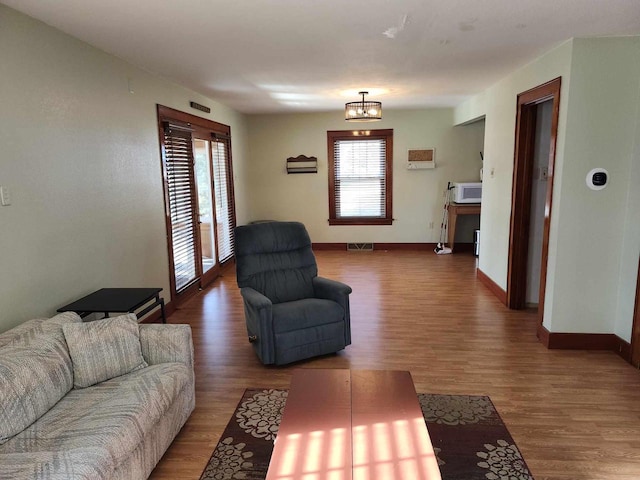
point(262, 56)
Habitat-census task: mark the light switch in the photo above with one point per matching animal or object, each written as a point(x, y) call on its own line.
point(5, 196)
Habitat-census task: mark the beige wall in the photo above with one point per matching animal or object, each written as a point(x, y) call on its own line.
point(80, 155)
point(417, 195)
point(598, 242)
point(594, 238)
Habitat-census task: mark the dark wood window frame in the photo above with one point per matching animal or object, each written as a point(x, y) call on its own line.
point(383, 134)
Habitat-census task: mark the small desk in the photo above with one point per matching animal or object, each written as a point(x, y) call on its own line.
point(456, 209)
point(352, 425)
point(108, 300)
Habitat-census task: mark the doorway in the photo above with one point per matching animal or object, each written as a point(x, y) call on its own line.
point(199, 203)
point(536, 132)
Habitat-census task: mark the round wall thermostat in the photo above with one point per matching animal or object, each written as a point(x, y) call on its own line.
point(597, 179)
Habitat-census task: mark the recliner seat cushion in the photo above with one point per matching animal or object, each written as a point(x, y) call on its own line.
point(307, 313)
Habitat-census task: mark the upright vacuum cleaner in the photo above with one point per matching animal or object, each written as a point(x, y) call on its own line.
point(441, 247)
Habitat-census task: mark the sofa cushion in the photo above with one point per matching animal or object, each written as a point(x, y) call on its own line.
point(33, 378)
point(29, 330)
point(103, 349)
point(92, 431)
point(301, 314)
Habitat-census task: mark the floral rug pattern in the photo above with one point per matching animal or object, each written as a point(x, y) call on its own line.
point(470, 440)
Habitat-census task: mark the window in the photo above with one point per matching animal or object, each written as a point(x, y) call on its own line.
point(360, 178)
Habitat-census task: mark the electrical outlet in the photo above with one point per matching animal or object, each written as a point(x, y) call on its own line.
point(431, 225)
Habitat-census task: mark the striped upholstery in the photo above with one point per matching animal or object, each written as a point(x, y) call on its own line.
point(33, 378)
point(95, 429)
point(29, 330)
point(103, 349)
point(117, 429)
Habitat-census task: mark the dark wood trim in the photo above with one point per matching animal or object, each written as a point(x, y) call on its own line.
point(582, 341)
point(405, 246)
point(188, 118)
point(635, 329)
point(155, 316)
point(585, 341)
point(492, 286)
point(360, 221)
point(329, 246)
point(204, 129)
point(466, 247)
point(382, 134)
point(624, 350)
point(543, 335)
point(521, 193)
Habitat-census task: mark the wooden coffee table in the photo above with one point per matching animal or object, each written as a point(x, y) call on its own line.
point(352, 425)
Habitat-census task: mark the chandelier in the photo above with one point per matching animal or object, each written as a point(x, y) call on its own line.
point(363, 110)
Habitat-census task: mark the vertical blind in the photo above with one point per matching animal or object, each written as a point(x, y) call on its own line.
point(225, 218)
point(360, 178)
point(181, 191)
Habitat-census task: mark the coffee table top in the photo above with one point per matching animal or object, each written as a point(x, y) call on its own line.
point(112, 300)
point(352, 425)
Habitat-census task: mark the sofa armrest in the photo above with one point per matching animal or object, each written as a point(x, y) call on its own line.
point(162, 343)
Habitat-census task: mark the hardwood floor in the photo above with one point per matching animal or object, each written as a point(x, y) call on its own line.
point(574, 414)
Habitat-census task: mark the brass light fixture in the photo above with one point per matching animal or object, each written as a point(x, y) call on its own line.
point(363, 110)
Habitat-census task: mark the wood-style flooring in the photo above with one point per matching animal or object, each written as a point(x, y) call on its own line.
point(573, 414)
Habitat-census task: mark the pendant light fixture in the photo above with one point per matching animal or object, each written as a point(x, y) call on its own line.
point(363, 110)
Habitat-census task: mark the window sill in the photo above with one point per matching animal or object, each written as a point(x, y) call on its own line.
point(360, 221)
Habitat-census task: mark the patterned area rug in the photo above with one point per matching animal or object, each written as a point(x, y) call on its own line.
point(468, 436)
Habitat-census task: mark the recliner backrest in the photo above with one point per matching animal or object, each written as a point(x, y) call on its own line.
point(275, 258)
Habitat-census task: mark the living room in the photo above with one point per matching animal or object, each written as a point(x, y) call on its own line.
point(82, 162)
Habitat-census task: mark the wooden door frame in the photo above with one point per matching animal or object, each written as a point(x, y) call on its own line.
point(521, 192)
point(169, 114)
point(635, 329)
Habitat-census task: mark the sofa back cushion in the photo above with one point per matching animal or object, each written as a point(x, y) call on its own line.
point(104, 349)
point(29, 330)
point(34, 376)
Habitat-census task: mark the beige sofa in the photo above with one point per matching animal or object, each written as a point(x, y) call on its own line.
point(56, 424)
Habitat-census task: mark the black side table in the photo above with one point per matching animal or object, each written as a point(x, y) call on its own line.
point(108, 300)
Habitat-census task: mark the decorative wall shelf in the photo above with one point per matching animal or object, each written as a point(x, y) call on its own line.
point(302, 164)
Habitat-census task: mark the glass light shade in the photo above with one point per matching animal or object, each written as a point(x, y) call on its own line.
point(363, 110)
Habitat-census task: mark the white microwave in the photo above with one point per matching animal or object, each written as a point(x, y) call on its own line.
point(466, 192)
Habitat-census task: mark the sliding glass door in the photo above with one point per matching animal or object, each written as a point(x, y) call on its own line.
point(196, 165)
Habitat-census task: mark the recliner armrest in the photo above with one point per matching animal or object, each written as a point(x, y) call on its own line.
point(259, 319)
point(255, 298)
point(330, 289)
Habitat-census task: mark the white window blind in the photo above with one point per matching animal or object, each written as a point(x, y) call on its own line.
point(360, 178)
point(181, 187)
point(225, 217)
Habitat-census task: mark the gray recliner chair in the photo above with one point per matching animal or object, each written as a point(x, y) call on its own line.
point(291, 313)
